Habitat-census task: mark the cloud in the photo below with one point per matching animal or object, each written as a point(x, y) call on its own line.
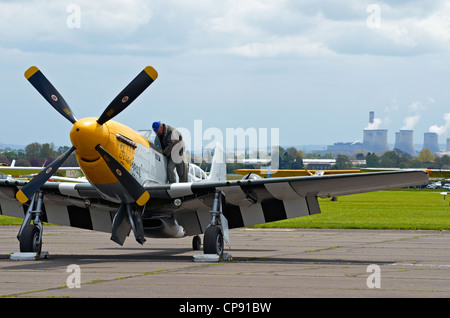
point(410, 122)
point(47, 21)
point(375, 125)
point(441, 130)
point(253, 28)
point(279, 47)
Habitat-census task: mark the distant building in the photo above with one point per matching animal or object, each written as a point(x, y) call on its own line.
point(350, 147)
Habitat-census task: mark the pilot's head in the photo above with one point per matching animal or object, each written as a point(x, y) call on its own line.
point(157, 127)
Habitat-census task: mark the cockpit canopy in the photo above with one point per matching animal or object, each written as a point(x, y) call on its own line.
point(152, 138)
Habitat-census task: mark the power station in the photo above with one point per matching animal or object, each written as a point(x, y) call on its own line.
point(376, 141)
point(404, 142)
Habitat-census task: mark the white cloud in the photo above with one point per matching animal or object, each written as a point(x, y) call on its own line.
point(47, 20)
point(441, 130)
point(375, 125)
point(410, 122)
point(253, 28)
point(281, 47)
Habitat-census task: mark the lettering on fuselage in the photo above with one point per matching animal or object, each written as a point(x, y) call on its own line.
point(125, 154)
point(136, 171)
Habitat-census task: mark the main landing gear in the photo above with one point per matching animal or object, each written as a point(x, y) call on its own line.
point(216, 232)
point(30, 233)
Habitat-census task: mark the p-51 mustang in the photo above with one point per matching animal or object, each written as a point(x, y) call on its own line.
point(128, 190)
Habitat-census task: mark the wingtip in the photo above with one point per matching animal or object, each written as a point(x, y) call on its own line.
point(30, 72)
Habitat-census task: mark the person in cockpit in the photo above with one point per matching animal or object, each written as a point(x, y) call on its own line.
point(173, 148)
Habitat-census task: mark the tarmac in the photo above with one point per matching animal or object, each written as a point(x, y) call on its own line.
point(266, 264)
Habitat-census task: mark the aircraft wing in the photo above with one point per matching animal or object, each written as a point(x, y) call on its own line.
point(249, 202)
point(432, 173)
point(283, 173)
point(21, 171)
point(246, 202)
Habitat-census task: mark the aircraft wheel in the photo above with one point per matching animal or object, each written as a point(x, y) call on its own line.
point(29, 240)
point(213, 241)
point(196, 243)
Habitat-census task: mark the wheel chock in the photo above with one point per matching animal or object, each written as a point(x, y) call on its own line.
point(30, 256)
point(212, 258)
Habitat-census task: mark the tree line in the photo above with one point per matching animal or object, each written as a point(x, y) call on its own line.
point(291, 158)
point(36, 155)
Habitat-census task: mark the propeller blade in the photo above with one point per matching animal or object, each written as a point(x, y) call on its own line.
point(49, 92)
point(134, 188)
point(129, 94)
point(124, 221)
point(33, 186)
point(121, 226)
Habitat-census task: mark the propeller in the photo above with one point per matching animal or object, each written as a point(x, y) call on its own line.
point(49, 92)
point(34, 185)
point(134, 188)
point(129, 94)
point(125, 218)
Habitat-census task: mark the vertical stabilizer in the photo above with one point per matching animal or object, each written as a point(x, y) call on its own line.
point(218, 165)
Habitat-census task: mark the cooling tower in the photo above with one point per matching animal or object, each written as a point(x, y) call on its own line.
point(430, 141)
point(375, 140)
point(404, 142)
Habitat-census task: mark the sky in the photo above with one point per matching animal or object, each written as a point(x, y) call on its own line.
point(311, 69)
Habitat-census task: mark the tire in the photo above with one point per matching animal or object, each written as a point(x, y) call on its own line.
point(196, 243)
point(213, 241)
point(29, 240)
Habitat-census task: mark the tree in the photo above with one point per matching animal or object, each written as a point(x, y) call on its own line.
point(426, 155)
point(33, 150)
point(294, 158)
point(390, 159)
point(47, 151)
point(4, 159)
point(372, 160)
point(342, 162)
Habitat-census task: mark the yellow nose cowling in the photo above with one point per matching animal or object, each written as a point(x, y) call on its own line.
point(85, 135)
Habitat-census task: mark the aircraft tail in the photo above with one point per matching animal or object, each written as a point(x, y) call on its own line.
point(218, 165)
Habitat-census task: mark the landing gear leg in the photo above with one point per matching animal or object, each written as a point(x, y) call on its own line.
point(30, 235)
point(217, 230)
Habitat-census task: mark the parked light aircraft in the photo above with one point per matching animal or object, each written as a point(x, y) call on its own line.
point(128, 190)
point(266, 172)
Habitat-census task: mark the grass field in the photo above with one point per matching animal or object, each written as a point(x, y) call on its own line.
point(412, 210)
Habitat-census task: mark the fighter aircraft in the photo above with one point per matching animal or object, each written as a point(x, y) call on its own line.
point(128, 190)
